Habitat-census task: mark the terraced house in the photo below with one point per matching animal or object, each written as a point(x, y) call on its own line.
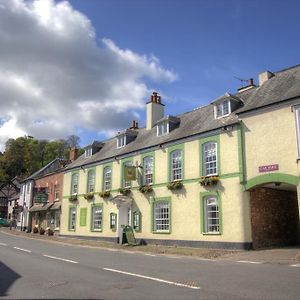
point(224, 175)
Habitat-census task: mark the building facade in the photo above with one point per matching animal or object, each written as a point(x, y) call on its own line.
point(224, 175)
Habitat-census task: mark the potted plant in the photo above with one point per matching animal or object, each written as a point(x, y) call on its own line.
point(73, 197)
point(124, 191)
point(42, 231)
point(89, 196)
point(49, 231)
point(145, 189)
point(35, 229)
point(209, 180)
point(104, 194)
point(175, 185)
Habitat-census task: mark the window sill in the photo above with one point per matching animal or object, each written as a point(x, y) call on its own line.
point(96, 230)
point(161, 232)
point(211, 233)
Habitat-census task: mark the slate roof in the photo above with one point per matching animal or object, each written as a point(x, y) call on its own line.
point(283, 86)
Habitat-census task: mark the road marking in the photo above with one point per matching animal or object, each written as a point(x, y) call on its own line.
point(2, 244)
point(154, 279)
point(150, 254)
point(170, 256)
point(63, 259)
point(249, 262)
point(21, 249)
point(296, 266)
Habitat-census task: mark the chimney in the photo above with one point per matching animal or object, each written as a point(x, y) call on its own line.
point(73, 154)
point(154, 110)
point(264, 76)
point(134, 125)
point(247, 87)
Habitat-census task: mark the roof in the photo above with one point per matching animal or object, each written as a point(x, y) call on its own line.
point(282, 86)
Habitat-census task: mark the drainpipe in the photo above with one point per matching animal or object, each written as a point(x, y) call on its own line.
point(241, 153)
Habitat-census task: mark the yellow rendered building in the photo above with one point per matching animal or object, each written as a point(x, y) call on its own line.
point(222, 176)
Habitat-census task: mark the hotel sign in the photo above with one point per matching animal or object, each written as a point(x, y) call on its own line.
point(268, 168)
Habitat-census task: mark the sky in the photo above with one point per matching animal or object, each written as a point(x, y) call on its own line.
point(87, 67)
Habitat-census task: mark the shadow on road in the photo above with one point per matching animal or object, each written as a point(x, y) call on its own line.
point(7, 278)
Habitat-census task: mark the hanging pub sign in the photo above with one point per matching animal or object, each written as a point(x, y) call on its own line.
point(129, 173)
point(268, 168)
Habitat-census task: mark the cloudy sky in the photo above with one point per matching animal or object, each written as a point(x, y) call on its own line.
point(87, 67)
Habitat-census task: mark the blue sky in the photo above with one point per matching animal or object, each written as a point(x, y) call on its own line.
point(94, 63)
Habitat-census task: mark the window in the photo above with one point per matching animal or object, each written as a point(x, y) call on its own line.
point(72, 218)
point(107, 179)
point(137, 221)
point(56, 191)
point(297, 111)
point(113, 221)
point(126, 183)
point(210, 158)
point(82, 220)
point(211, 215)
point(222, 109)
point(121, 141)
point(57, 219)
point(176, 165)
point(162, 128)
point(96, 218)
point(28, 186)
point(148, 170)
point(161, 216)
point(74, 184)
point(88, 152)
point(91, 181)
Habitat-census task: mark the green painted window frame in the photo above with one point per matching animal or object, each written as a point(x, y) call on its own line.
point(202, 142)
point(111, 215)
point(69, 220)
point(203, 197)
point(83, 215)
point(93, 206)
point(89, 171)
point(137, 221)
point(123, 162)
point(72, 184)
point(171, 149)
point(110, 165)
point(144, 156)
point(153, 203)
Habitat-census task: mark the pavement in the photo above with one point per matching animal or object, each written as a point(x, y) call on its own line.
point(283, 255)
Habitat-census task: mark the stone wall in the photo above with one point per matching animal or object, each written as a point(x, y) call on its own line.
point(274, 217)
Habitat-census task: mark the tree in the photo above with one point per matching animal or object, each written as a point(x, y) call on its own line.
point(73, 141)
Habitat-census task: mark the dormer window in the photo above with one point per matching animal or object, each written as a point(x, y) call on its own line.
point(162, 128)
point(88, 152)
point(121, 141)
point(93, 148)
point(222, 109)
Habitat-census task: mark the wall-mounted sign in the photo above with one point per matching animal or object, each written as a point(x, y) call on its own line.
point(268, 168)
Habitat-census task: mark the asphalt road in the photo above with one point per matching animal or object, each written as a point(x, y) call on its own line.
point(34, 269)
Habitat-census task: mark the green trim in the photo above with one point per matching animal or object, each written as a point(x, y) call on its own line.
point(230, 175)
point(92, 220)
point(160, 200)
point(170, 150)
point(83, 213)
point(270, 178)
point(87, 179)
point(72, 206)
point(143, 156)
point(111, 180)
point(202, 141)
point(241, 151)
point(203, 195)
point(137, 213)
point(75, 172)
point(114, 229)
point(123, 162)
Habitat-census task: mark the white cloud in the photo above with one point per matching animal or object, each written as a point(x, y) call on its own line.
point(55, 77)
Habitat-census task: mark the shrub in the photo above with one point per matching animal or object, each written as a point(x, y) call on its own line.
point(73, 197)
point(124, 191)
point(209, 180)
point(89, 196)
point(175, 185)
point(146, 189)
point(104, 194)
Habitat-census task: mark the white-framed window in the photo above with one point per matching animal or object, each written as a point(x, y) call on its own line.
point(57, 219)
point(297, 113)
point(88, 152)
point(211, 215)
point(176, 165)
point(136, 221)
point(56, 191)
point(161, 216)
point(72, 218)
point(107, 179)
point(162, 128)
point(74, 183)
point(126, 183)
point(148, 170)
point(113, 221)
point(91, 181)
point(210, 158)
point(121, 141)
point(222, 109)
point(96, 217)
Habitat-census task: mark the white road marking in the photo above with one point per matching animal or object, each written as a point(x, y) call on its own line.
point(2, 244)
point(21, 249)
point(296, 266)
point(149, 254)
point(63, 259)
point(170, 256)
point(154, 279)
point(249, 262)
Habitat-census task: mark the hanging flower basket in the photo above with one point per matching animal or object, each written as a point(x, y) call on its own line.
point(89, 196)
point(209, 180)
point(104, 194)
point(124, 191)
point(146, 189)
point(73, 197)
point(175, 185)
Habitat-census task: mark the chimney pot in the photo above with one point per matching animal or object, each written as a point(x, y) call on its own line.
point(154, 110)
point(251, 81)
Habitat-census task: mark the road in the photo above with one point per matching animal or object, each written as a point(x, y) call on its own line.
point(34, 269)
